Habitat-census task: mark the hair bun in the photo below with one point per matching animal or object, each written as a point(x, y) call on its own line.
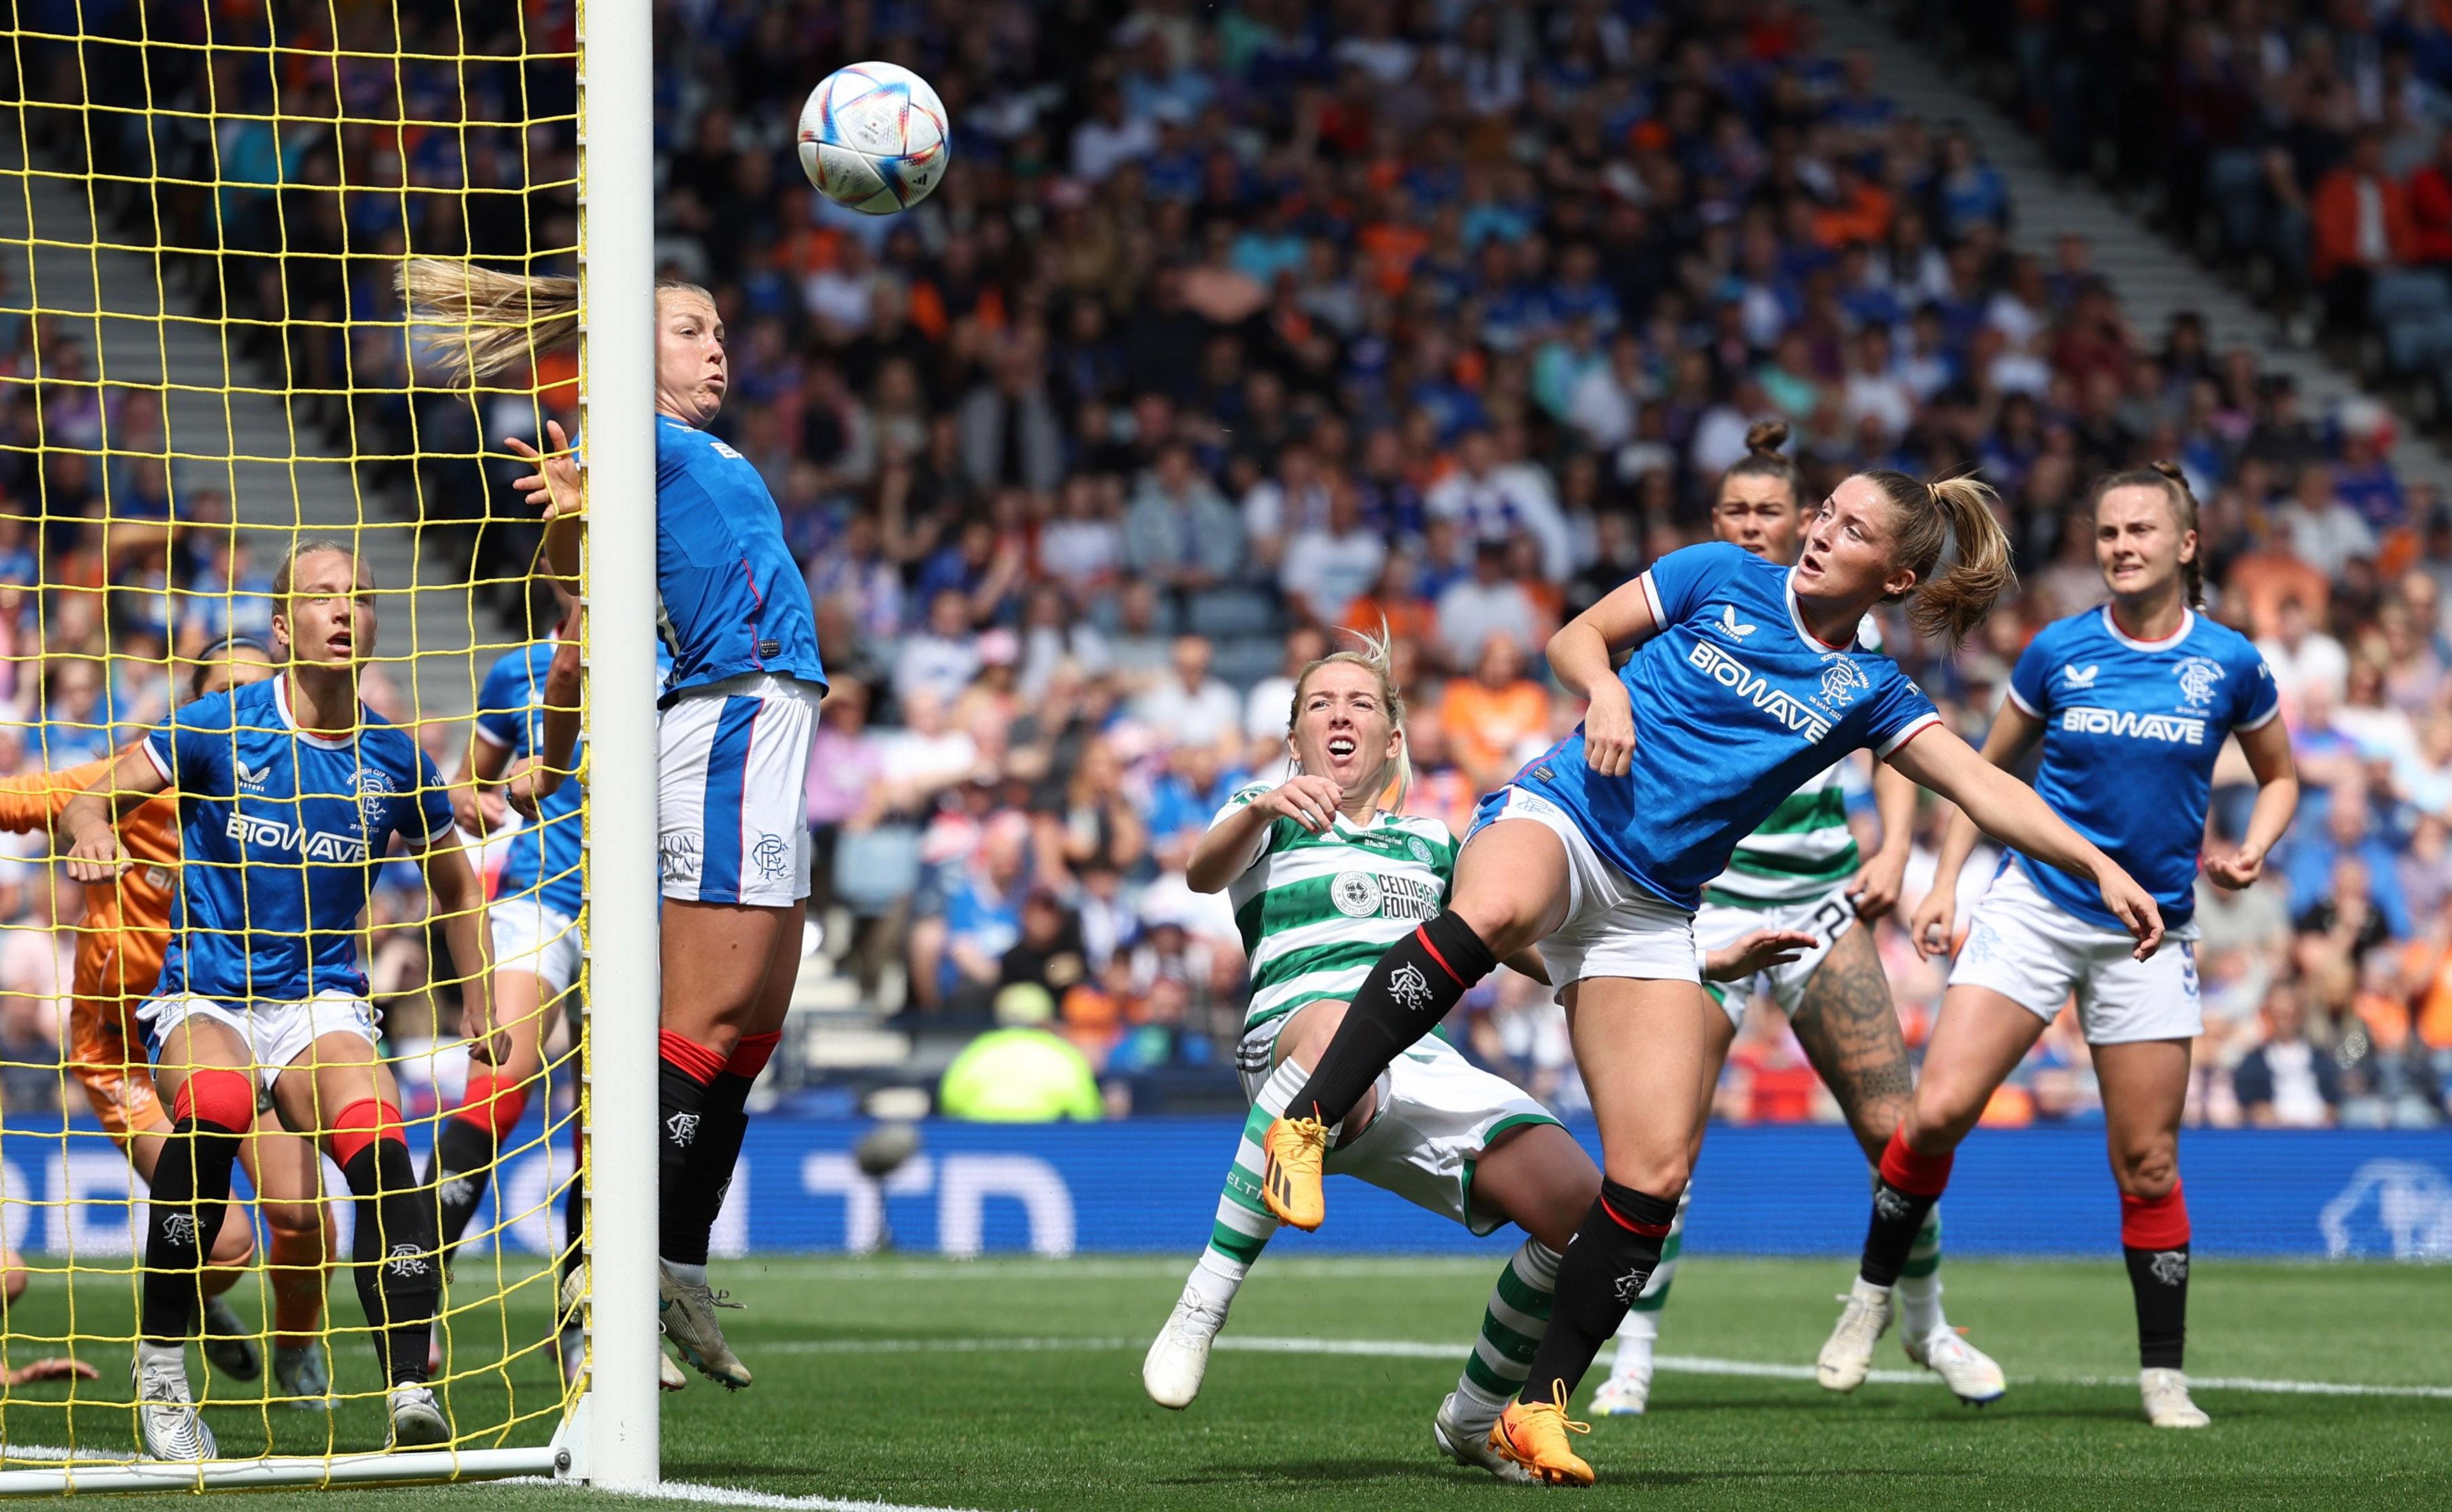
point(2169, 469)
point(1765, 437)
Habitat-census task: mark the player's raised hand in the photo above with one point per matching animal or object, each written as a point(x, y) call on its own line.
point(1935, 922)
point(1756, 951)
point(555, 484)
point(2134, 906)
point(2239, 869)
point(1609, 732)
point(1310, 801)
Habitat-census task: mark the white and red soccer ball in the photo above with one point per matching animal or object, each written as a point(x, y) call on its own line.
point(872, 137)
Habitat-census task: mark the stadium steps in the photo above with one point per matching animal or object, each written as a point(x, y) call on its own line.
point(2154, 278)
point(231, 429)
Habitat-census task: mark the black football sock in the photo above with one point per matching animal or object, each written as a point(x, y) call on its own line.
point(399, 1274)
point(1602, 1272)
point(2159, 1279)
point(686, 1071)
point(188, 1195)
point(691, 1213)
point(1406, 996)
point(1910, 1183)
point(462, 1159)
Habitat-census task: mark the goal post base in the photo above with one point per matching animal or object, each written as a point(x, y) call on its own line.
point(424, 1466)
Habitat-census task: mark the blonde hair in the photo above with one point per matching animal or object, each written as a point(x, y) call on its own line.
point(304, 547)
point(506, 319)
point(1375, 658)
point(1949, 514)
point(2173, 484)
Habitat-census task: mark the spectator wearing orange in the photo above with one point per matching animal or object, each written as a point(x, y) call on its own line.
point(2361, 223)
point(1489, 715)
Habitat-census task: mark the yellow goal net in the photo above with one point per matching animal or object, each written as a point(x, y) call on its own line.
point(209, 394)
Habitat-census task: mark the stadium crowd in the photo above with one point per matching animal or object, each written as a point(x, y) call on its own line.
point(1220, 337)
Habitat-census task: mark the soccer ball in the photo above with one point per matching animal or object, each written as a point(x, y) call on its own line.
point(872, 137)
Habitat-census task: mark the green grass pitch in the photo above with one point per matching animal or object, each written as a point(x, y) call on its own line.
point(1016, 1385)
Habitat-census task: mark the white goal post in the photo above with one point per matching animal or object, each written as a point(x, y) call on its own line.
point(613, 1435)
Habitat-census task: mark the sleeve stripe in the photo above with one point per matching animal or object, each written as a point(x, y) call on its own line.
point(2023, 706)
point(1915, 727)
point(1652, 601)
point(2262, 719)
point(155, 757)
point(488, 736)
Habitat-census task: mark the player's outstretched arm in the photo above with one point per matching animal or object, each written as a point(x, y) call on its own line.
point(459, 901)
point(2267, 749)
point(1583, 653)
point(32, 800)
point(541, 775)
point(88, 819)
point(1875, 890)
point(1231, 844)
point(2011, 812)
point(1936, 922)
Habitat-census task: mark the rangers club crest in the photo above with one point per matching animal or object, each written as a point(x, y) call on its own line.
point(1409, 986)
point(1842, 680)
point(375, 791)
point(2170, 1267)
point(2198, 677)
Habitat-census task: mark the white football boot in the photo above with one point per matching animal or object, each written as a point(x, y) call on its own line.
point(1179, 1356)
point(417, 1421)
point(2166, 1399)
point(1847, 1357)
point(1972, 1374)
point(1469, 1446)
point(167, 1424)
point(688, 1311)
point(1623, 1396)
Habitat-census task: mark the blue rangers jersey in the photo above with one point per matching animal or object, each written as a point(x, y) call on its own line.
point(283, 832)
point(2130, 732)
point(731, 598)
point(1736, 706)
point(542, 861)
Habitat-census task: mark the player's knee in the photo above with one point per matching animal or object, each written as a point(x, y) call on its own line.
point(1875, 1120)
point(294, 1222)
point(235, 1244)
point(2148, 1171)
point(218, 1095)
point(1663, 1173)
point(1940, 1117)
point(1505, 921)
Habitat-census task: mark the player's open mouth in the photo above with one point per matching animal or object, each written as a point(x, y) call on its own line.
point(1340, 747)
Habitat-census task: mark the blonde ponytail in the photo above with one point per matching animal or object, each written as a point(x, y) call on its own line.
point(1376, 657)
point(506, 319)
point(1931, 519)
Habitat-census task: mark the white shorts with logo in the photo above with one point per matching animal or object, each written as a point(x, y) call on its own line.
point(1613, 928)
point(275, 1033)
point(531, 937)
point(1438, 1114)
point(1825, 918)
point(731, 815)
point(2034, 952)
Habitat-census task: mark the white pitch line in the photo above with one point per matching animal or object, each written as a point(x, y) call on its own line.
point(731, 1496)
point(1681, 1365)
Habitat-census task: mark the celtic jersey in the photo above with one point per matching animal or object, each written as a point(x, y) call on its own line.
point(1805, 850)
point(1316, 912)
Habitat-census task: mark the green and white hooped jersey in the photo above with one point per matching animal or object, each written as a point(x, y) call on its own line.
point(1316, 912)
point(1805, 849)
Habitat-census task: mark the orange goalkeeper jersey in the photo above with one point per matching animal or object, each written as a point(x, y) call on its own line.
point(127, 920)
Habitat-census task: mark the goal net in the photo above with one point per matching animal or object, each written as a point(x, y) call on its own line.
point(205, 207)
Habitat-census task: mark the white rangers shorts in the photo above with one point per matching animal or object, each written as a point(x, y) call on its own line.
point(732, 817)
point(1613, 928)
point(1438, 1115)
point(275, 1033)
point(2034, 952)
point(531, 937)
point(1826, 918)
